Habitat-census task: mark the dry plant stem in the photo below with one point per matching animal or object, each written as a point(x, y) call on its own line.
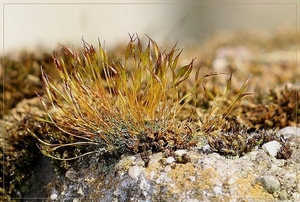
point(54, 147)
point(218, 113)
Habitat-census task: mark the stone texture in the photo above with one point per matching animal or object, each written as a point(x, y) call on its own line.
point(255, 176)
point(272, 147)
point(270, 183)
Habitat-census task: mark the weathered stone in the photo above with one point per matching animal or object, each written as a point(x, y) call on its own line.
point(170, 160)
point(270, 183)
point(289, 132)
point(272, 147)
point(134, 172)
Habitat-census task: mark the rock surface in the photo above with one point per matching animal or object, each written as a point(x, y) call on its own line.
point(206, 177)
point(272, 147)
point(198, 174)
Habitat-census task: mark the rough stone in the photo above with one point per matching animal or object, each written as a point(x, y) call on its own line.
point(272, 147)
point(134, 172)
point(289, 132)
point(180, 152)
point(154, 160)
point(217, 190)
point(71, 175)
point(53, 197)
point(170, 160)
point(270, 183)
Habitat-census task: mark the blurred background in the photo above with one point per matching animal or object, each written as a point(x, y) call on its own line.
point(31, 24)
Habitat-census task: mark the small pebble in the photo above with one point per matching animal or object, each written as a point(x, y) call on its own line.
point(270, 183)
point(289, 132)
point(134, 172)
point(272, 147)
point(53, 196)
point(154, 160)
point(217, 190)
point(71, 175)
point(180, 152)
point(182, 156)
point(206, 148)
point(168, 169)
point(192, 178)
point(170, 160)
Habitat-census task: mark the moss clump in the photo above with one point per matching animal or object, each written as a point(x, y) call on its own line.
point(131, 104)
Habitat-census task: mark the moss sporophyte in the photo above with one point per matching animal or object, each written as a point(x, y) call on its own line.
point(129, 104)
